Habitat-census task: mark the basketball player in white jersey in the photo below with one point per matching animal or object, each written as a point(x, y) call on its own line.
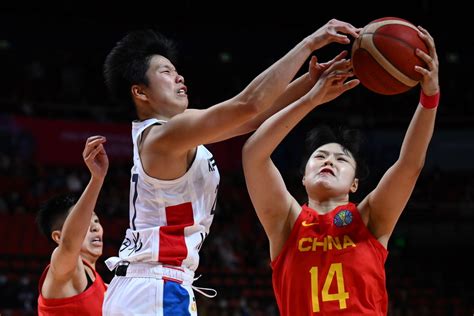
point(174, 179)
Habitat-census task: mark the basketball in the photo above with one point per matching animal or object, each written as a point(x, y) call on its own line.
point(384, 58)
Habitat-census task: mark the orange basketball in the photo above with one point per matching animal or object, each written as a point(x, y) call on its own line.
point(384, 56)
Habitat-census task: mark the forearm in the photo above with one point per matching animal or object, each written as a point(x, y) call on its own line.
point(418, 137)
point(330, 85)
point(294, 90)
point(271, 133)
point(79, 219)
point(269, 85)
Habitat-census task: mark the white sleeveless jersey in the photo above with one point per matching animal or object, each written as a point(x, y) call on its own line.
point(169, 219)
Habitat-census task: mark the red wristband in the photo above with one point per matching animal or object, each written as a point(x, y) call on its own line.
point(429, 102)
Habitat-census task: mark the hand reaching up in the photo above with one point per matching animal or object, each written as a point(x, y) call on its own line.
point(332, 82)
point(333, 31)
point(429, 82)
point(95, 157)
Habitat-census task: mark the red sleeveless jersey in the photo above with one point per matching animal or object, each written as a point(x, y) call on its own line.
point(330, 265)
point(87, 303)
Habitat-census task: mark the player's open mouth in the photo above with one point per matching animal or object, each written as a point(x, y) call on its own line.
point(326, 170)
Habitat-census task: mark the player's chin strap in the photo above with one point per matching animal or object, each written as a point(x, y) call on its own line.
point(203, 290)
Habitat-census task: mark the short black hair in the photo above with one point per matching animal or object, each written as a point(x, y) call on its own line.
point(53, 213)
point(128, 61)
point(350, 139)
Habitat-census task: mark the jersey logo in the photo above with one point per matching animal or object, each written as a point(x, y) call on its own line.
point(211, 163)
point(305, 224)
point(343, 218)
point(132, 245)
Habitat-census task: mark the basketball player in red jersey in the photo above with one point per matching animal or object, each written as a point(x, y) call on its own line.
point(70, 284)
point(328, 255)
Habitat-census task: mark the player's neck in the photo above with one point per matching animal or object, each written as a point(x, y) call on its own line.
point(326, 206)
point(90, 260)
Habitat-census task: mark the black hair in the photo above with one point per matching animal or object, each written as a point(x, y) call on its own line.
point(53, 213)
point(350, 140)
point(128, 62)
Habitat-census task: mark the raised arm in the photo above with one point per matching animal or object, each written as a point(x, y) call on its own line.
point(293, 91)
point(194, 127)
point(385, 204)
point(271, 200)
point(66, 256)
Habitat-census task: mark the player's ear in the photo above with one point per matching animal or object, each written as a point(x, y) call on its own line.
point(56, 236)
point(138, 92)
point(354, 185)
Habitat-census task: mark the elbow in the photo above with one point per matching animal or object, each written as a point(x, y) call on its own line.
point(416, 170)
point(419, 167)
point(418, 164)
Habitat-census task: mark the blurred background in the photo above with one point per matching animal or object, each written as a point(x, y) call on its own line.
point(52, 98)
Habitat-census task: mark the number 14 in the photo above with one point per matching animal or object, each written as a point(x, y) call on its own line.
point(335, 270)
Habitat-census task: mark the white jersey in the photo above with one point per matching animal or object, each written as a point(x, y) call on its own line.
point(169, 219)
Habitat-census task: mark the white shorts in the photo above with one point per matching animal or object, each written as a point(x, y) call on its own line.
point(145, 290)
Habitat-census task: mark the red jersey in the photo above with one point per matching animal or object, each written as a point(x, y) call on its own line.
point(88, 302)
point(330, 265)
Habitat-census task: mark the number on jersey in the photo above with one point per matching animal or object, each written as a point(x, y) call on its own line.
point(334, 274)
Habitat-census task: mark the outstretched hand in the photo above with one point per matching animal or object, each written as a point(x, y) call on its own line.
point(332, 82)
point(429, 82)
point(333, 31)
point(316, 69)
point(95, 157)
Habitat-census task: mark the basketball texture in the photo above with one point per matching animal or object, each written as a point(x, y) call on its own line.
point(384, 58)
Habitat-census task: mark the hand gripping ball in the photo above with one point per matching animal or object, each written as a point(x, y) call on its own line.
point(383, 56)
